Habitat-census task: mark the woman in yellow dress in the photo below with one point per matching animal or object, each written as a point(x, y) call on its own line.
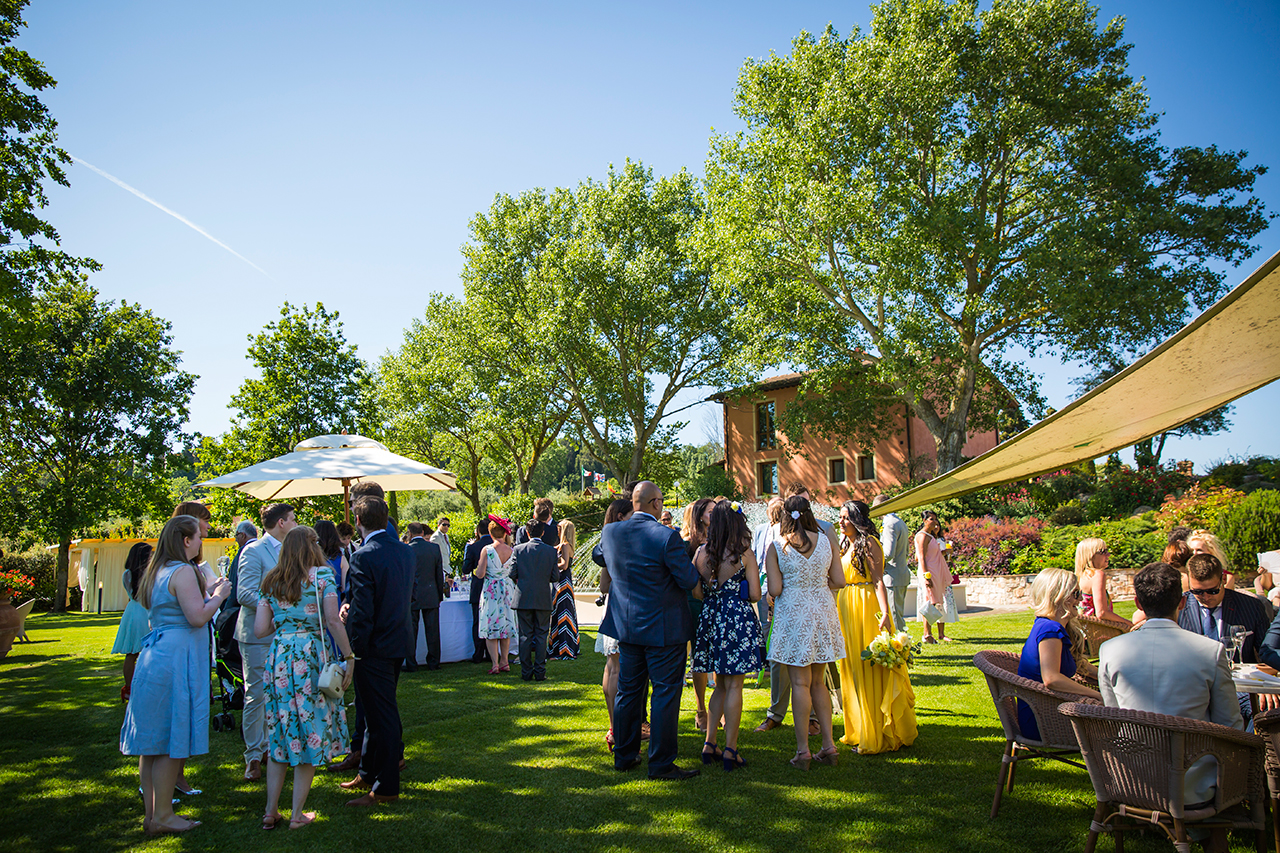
point(879, 704)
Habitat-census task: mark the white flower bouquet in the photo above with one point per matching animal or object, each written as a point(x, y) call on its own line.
point(890, 650)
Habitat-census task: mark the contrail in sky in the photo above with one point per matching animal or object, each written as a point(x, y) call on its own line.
point(178, 216)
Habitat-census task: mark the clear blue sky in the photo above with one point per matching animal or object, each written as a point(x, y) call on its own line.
point(343, 148)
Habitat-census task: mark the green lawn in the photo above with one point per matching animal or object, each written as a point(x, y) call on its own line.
point(499, 764)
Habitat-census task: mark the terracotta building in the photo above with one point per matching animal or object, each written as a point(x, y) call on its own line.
point(763, 460)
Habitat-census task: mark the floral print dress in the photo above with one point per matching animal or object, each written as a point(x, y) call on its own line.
point(303, 725)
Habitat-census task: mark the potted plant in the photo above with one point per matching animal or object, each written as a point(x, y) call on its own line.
point(11, 584)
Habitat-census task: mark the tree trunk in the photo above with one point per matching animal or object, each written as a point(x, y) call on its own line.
point(60, 574)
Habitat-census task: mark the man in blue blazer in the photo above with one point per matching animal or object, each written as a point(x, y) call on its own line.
point(380, 592)
point(648, 613)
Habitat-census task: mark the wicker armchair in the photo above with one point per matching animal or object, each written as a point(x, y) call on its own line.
point(1057, 739)
point(1098, 631)
point(1137, 761)
point(1267, 725)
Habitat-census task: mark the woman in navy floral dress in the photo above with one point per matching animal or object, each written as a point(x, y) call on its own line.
point(728, 638)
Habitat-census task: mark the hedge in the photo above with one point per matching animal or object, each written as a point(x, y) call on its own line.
point(1249, 528)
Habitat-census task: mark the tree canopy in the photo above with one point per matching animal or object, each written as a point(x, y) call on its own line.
point(28, 157)
point(606, 288)
point(92, 396)
point(908, 204)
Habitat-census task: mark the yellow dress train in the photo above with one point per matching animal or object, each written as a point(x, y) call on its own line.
point(879, 704)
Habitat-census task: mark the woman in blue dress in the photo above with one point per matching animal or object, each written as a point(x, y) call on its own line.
point(727, 641)
point(167, 719)
point(1046, 656)
point(134, 623)
point(304, 726)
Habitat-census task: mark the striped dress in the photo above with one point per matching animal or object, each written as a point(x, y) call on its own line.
point(563, 642)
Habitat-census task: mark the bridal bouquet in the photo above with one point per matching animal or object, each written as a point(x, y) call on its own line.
point(890, 650)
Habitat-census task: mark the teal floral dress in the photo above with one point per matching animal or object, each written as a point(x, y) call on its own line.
point(303, 725)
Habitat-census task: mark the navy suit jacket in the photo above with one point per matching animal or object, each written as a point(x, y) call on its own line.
point(428, 582)
point(549, 533)
point(381, 589)
point(471, 560)
point(1238, 608)
point(534, 568)
point(651, 573)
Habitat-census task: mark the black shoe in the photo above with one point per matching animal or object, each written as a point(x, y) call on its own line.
point(413, 668)
point(630, 765)
point(434, 667)
point(675, 774)
point(526, 678)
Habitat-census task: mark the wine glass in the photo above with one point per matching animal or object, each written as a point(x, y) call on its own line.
point(1235, 639)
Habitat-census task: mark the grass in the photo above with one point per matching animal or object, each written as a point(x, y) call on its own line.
point(499, 764)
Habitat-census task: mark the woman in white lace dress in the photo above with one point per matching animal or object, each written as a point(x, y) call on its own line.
point(806, 624)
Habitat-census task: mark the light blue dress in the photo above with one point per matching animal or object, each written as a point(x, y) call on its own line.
point(168, 711)
point(303, 725)
point(133, 624)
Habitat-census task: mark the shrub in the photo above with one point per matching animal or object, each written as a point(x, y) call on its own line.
point(1053, 490)
point(1133, 542)
point(984, 547)
point(1250, 527)
point(1199, 506)
point(1067, 514)
point(38, 564)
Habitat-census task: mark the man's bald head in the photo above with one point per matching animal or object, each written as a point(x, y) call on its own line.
point(647, 497)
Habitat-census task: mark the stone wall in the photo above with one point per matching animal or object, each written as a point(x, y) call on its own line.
point(1015, 590)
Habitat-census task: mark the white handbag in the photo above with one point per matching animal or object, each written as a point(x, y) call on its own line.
point(331, 674)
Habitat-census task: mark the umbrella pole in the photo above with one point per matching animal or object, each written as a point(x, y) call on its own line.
point(346, 500)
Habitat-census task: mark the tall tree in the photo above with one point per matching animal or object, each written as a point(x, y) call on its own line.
point(28, 157)
point(904, 205)
point(310, 382)
point(91, 397)
point(608, 287)
point(458, 393)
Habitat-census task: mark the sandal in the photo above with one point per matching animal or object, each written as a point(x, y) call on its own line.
point(700, 720)
point(271, 821)
point(802, 759)
point(307, 819)
point(495, 670)
point(162, 829)
point(714, 755)
point(506, 667)
point(829, 756)
point(735, 763)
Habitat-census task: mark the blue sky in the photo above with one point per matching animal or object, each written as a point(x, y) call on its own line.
point(343, 148)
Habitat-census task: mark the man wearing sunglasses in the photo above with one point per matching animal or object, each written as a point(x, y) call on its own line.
point(1210, 608)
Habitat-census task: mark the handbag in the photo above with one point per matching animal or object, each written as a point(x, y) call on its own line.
point(331, 674)
point(930, 612)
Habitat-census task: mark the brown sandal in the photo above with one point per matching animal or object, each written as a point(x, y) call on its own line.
point(271, 821)
point(802, 759)
point(829, 756)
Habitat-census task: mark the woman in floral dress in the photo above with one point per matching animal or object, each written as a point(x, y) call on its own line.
point(728, 636)
point(497, 619)
point(304, 726)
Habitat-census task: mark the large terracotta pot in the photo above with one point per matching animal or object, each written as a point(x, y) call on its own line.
point(9, 622)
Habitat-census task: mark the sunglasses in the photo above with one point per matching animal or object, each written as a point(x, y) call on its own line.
point(1214, 590)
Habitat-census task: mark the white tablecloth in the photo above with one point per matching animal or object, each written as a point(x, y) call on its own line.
point(455, 631)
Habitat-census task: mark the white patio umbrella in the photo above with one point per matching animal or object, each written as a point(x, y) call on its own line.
point(328, 465)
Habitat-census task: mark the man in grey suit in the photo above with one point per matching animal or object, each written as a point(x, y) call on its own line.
point(1162, 668)
point(897, 571)
point(533, 569)
point(259, 558)
point(428, 588)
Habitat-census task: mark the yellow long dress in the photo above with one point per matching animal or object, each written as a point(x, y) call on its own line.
point(879, 704)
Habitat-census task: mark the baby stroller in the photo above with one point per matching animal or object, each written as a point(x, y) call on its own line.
point(228, 684)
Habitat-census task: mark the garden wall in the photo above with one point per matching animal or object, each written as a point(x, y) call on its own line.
point(1015, 590)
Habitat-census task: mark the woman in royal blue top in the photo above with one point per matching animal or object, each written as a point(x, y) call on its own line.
point(1046, 656)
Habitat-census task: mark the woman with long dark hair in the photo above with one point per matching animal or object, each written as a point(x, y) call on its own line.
point(727, 641)
point(167, 719)
point(304, 726)
point(806, 632)
point(879, 704)
point(133, 622)
point(697, 517)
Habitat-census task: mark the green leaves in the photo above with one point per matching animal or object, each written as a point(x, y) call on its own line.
point(952, 182)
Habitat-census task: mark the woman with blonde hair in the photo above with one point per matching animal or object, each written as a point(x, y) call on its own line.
point(304, 726)
point(1204, 542)
point(1046, 655)
point(167, 719)
point(563, 642)
point(1092, 558)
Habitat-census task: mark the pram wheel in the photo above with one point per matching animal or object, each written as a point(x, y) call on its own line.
point(217, 722)
point(228, 722)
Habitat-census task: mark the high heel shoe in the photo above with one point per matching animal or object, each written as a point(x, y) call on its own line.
point(735, 763)
point(802, 759)
point(829, 756)
point(714, 755)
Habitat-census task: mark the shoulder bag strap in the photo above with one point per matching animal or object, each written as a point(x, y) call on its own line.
point(324, 643)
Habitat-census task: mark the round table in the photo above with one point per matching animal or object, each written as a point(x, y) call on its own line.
point(455, 631)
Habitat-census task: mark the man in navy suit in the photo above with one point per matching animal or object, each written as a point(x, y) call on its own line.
point(647, 612)
point(470, 560)
point(381, 589)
